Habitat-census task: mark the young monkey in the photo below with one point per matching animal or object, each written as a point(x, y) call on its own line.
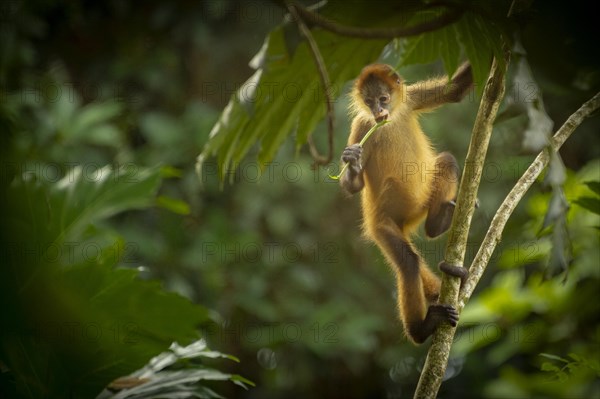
point(403, 181)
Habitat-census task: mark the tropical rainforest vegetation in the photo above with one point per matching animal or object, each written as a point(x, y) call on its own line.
point(168, 232)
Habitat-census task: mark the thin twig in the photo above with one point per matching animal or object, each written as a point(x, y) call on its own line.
point(510, 10)
point(378, 33)
point(325, 83)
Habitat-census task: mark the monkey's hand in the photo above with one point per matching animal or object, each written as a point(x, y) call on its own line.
point(352, 179)
point(352, 155)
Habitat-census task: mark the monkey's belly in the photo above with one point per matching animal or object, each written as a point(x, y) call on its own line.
point(403, 200)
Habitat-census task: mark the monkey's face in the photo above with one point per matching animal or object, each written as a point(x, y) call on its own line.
point(376, 95)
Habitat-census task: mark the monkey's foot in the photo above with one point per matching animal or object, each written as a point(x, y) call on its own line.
point(437, 314)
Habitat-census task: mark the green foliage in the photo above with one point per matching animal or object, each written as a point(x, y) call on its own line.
point(284, 96)
point(82, 197)
point(174, 205)
point(590, 203)
point(293, 290)
point(428, 47)
point(472, 34)
point(78, 322)
point(525, 97)
point(177, 373)
point(481, 40)
point(569, 366)
point(518, 316)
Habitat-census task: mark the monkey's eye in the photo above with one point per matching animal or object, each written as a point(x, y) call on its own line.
point(384, 99)
point(369, 102)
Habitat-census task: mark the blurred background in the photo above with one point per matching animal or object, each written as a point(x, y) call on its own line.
point(290, 287)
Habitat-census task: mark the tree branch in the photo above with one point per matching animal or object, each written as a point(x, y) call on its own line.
point(378, 33)
point(437, 358)
point(325, 83)
point(494, 233)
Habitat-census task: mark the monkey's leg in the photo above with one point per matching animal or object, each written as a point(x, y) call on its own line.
point(431, 284)
point(419, 320)
point(441, 202)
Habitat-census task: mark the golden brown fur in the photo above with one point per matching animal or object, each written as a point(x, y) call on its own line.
point(403, 181)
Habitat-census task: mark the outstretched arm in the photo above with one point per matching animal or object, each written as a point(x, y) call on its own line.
point(432, 93)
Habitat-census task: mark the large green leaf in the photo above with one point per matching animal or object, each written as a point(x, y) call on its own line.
point(283, 96)
point(71, 324)
point(171, 374)
point(594, 186)
point(431, 46)
point(87, 325)
point(481, 40)
point(589, 203)
point(50, 214)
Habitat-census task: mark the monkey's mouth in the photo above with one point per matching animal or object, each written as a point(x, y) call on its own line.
point(381, 117)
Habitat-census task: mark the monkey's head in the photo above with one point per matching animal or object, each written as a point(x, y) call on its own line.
point(377, 90)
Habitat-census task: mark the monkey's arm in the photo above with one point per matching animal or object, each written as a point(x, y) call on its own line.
point(352, 180)
point(432, 93)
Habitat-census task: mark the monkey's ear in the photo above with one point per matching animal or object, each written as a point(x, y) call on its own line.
point(398, 78)
point(395, 77)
